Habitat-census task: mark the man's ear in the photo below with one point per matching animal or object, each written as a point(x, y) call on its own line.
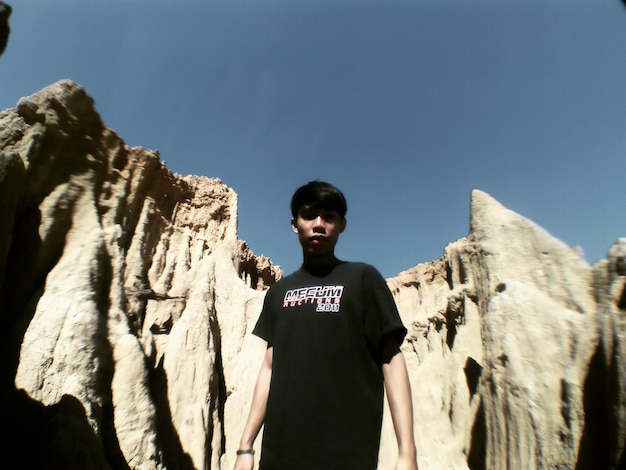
point(344, 222)
point(294, 225)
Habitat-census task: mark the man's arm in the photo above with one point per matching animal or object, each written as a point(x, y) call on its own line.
point(257, 412)
point(398, 391)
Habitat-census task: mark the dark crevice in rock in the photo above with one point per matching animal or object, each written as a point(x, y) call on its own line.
point(50, 437)
point(218, 384)
point(566, 408)
point(477, 456)
point(449, 275)
point(22, 262)
point(596, 443)
point(174, 457)
point(472, 370)
point(106, 368)
point(621, 303)
point(455, 317)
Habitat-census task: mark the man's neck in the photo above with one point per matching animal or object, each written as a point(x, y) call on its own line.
point(320, 267)
point(312, 261)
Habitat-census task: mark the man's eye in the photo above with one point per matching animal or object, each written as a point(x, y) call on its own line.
point(326, 216)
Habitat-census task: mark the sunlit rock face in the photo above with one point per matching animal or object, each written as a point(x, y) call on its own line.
point(127, 302)
point(126, 296)
point(517, 349)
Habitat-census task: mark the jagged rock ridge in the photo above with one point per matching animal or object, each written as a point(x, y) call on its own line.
point(128, 301)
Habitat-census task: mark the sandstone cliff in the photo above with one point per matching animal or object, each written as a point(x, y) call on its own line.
point(127, 302)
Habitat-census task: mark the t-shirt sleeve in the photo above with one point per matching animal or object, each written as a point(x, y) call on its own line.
point(381, 313)
point(264, 327)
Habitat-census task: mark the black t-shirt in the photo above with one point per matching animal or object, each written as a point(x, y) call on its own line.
point(325, 404)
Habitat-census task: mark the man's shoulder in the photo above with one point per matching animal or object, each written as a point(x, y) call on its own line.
point(359, 265)
point(362, 267)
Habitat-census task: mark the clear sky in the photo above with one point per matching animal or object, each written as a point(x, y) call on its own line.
point(405, 105)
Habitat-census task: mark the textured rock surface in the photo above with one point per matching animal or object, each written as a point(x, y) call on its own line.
point(127, 303)
point(126, 293)
point(517, 353)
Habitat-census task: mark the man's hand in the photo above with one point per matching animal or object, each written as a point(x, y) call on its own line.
point(245, 462)
point(400, 402)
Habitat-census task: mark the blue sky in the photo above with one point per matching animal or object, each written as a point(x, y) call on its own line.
point(406, 106)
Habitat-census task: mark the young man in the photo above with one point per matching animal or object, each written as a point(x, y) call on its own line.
point(333, 334)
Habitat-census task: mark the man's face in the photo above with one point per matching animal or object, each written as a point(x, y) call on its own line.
point(318, 229)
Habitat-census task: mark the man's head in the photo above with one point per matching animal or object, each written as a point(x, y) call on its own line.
point(319, 211)
point(318, 195)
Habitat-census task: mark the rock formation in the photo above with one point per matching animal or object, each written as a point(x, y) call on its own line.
point(127, 303)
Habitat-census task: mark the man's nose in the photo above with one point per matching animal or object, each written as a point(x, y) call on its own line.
point(318, 222)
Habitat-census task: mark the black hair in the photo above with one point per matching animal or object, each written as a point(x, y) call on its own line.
point(319, 194)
